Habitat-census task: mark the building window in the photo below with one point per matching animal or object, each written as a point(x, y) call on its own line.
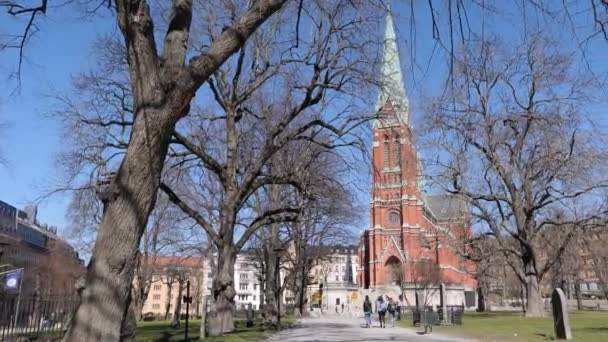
point(244, 275)
point(343, 268)
point(397, 151)
point(209, 275)
point(156, 297)
point(254, 297)
point(243, 286)
point(393, 218)
point(157, 287)
point(255, 287)
point(155, 306)
point(243, 297)
point(337, 279)
point(386, 154)
point(254, 307)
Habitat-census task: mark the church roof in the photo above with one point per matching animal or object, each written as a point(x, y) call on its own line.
point(446, 206)
point(392, 86)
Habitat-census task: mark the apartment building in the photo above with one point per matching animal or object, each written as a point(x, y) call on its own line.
point(170, 277)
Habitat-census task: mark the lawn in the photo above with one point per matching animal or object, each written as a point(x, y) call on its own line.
point(586, 326)
point(161, 331)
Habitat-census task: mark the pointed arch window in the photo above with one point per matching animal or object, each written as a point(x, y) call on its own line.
point(386, 155)
point(397, 151)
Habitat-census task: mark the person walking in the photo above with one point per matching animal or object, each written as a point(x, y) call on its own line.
point(381, 309)
point(367, 311)
point(392, 311)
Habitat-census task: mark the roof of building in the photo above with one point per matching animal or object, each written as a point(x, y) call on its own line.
point(446, 206)
point(177, 261)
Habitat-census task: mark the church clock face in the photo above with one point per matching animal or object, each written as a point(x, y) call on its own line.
point(393, 219)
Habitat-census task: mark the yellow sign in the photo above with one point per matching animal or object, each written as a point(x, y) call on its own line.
point(354, 296)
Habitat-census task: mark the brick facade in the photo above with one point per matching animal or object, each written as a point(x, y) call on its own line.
point(412, 236)
point(406, 236)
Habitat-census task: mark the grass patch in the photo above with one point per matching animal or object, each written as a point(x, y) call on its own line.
point(586, 326)
point(161, 331)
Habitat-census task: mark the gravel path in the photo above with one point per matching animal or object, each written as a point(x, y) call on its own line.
point(352, 330)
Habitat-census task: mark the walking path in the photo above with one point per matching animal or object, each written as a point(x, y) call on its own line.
point(332, 328)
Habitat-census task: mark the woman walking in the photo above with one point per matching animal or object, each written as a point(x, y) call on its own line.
point(367, 311)
point(381, 309)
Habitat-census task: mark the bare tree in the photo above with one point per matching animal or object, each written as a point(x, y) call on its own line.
point(257, 122)
point(162, 85)
point(326, 209)
point(516, 148)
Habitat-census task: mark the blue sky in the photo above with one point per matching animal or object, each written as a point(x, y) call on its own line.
point(63, 48)
point(31, 142)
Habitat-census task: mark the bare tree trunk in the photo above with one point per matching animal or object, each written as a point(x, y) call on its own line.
point(127, 204)
point(300, 288)
point(128, 329)
point(221, 319)
point(270, 290)
point(481, 300)
point(178, 306)
point(522, 296)
point(534, 307)
point(577, 291)
point(168, 303)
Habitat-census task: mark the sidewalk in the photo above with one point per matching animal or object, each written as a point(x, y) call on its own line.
point(332, 328)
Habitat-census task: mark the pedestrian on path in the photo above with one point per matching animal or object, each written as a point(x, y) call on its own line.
point(381, 309)
point(367, 311)
point(392, 311)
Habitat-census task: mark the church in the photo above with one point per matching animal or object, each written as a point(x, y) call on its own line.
point(410, 248)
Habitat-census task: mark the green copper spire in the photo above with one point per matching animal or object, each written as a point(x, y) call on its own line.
point(391, 82)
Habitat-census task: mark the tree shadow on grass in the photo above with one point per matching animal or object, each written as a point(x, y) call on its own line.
point(165, 338)
point(595, 329)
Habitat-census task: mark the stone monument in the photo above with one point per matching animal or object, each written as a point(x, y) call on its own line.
point(561, 323)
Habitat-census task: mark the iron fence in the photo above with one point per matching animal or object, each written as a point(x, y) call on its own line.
point(34, 319)
point(427, 315)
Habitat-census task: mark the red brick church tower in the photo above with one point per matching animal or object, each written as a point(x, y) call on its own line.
point(413, 237)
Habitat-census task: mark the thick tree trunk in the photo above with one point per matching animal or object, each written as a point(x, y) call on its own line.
point(534, 307)
point(577, 292)
point(128, 202)
point(271, 290)
point(481, 300)
point(299, 290)
point(129, 325)
point(168, 302)
point(221, 319)
point(178, 306)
